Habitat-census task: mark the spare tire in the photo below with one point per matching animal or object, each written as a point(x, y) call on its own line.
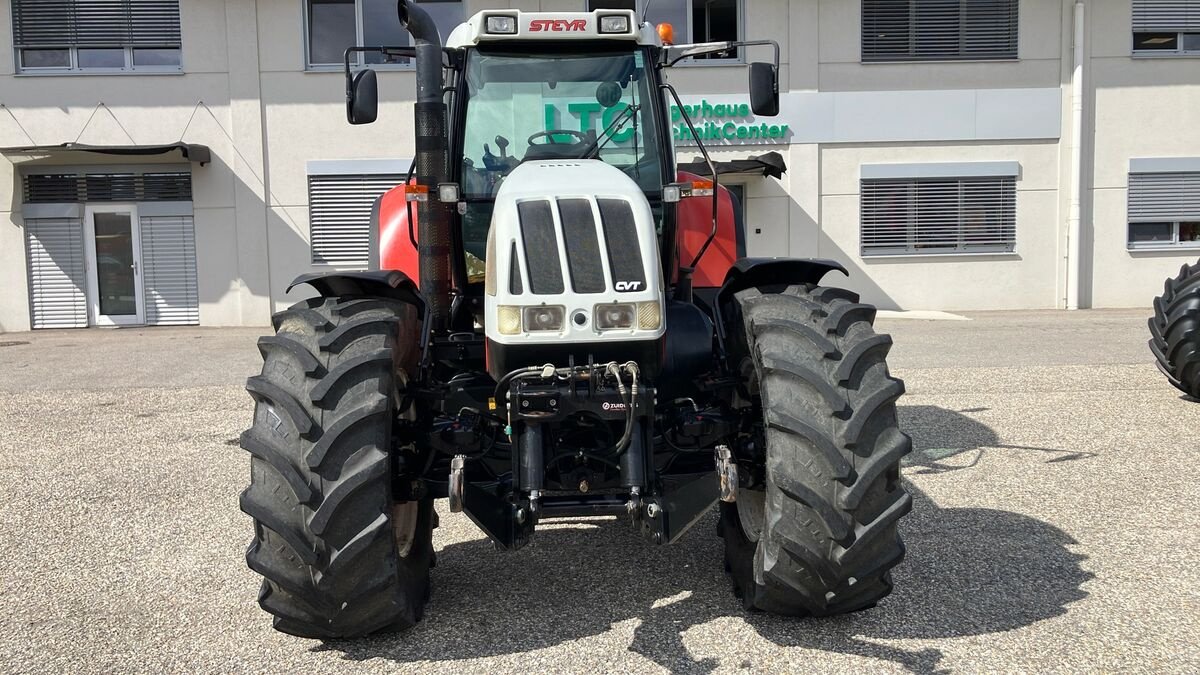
point(1175, 330)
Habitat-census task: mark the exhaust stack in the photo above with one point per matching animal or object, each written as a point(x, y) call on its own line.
point(429, 117)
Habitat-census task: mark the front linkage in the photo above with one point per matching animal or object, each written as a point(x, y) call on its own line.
point(586, 440)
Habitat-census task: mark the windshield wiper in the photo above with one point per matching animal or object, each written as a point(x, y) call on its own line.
point(594, 149)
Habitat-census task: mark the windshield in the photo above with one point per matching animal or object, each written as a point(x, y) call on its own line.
point(562, 106)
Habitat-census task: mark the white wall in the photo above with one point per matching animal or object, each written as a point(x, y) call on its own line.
point(1022, 279)
point(247, 95)
point(209, 105)
point(1141, 107)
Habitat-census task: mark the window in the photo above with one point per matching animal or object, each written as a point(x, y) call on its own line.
point(82, 36)
point(335, 25)
point(339, 215)
point(1166, 27)
point(1164, 210)
point(939, 30)
point(531, 94)
point(693, 21)
point(68, 188)
point(939, 215)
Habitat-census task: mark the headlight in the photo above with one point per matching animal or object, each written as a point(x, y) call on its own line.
point(508, 319)
point(544, 319)
point(505, 25)
point(614, 317)
point(614, 24)
point(649, 315)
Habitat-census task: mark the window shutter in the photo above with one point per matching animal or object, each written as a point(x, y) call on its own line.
point(990, 29)
point(339, 208)
point(1159, 197)
point(108, 187)
point(55, 258)
point(932, 30)
point(53, 189)
point(96, 23)
point(938, 215)
point(1170, 16)
point(165, 187)
point(169, 271)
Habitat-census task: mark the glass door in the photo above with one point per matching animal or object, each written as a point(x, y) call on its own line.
point(114, 259)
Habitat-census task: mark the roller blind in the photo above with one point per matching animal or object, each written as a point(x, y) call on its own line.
point(169, 271)
point(1160, 197)
point(339, 211)
point(55, 258)
point(934, 30)
point(96, 23)
point(961, 215)
point(107, 187)
point(1151, 16)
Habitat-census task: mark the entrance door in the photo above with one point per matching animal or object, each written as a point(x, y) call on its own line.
point(114, 256)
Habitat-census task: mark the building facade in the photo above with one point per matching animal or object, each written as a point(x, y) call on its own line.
point(182, 162)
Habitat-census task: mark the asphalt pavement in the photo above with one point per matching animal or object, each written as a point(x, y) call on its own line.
point(1055, 526)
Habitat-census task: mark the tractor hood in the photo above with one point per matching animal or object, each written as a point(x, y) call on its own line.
point(572, 257)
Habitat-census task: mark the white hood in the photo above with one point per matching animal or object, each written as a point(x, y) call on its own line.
point(583, 236)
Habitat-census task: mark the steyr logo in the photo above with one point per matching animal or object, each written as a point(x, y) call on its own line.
point(539, 25)
point(628, 285)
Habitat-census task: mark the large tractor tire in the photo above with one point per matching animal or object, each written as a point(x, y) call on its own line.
point(818, 535)
point(1175, 330)
point(340, 558)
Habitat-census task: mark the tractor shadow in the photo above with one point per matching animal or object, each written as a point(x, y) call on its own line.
point(949, 440)
point(969, 571)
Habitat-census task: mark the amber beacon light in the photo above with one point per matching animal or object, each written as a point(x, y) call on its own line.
point(666, 32)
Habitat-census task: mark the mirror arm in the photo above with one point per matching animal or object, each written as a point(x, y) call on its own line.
point(712, 168)
point(451, 58)
point(675, 54)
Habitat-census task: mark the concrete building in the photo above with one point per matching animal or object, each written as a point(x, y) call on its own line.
point(973, 155)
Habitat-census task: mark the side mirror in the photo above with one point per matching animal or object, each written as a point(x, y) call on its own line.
point(362, 97)
point(764, 89)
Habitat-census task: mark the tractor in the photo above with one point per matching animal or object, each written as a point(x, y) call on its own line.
point(566, 327)
point(1175, 331)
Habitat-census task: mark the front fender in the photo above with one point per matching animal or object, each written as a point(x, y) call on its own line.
point(378, 283)
point(750, 272)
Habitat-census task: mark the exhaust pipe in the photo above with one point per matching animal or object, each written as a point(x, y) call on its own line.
point(430, 168)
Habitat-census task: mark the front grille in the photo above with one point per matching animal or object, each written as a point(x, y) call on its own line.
point(621, 240)
point(583, 249)
point(514, 273)
point(541, 247)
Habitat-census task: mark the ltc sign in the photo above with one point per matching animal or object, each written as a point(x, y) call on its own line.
point(724, 123)
point(728, 122)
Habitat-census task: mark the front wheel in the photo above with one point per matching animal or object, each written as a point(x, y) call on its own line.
point(817, 535)
point(338, 555)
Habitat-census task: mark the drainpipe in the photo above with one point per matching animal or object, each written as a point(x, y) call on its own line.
point(1074, 228)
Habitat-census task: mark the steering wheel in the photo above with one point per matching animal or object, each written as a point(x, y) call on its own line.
point(551, 133)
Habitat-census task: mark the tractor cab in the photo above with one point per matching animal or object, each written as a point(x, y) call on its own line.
point(537, 96)
point(574, 87)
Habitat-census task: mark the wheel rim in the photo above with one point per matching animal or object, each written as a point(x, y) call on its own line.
point(752, 504)
point(752, 508)
point(404, 525)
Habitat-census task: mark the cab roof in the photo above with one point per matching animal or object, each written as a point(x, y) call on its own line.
point(550, 27)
